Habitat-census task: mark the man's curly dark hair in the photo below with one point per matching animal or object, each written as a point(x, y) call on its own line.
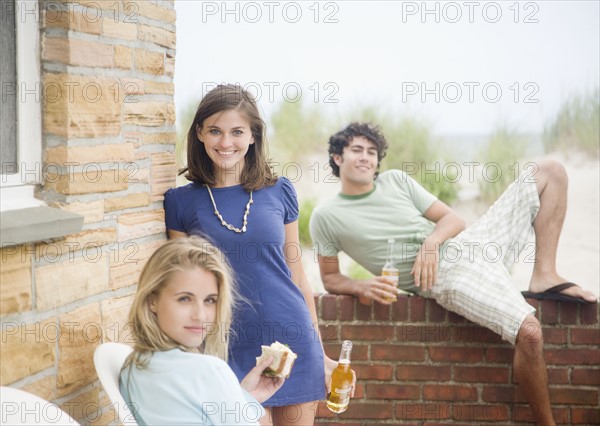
point(341, 139)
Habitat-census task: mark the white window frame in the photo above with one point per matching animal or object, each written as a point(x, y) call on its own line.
point(18, 189)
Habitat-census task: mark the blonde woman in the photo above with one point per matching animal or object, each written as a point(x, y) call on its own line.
point(181, 314)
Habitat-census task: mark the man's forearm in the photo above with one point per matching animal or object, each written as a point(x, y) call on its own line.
point(447, 227)
point(341, 284)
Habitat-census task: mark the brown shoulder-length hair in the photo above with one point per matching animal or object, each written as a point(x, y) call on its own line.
point(257, 172)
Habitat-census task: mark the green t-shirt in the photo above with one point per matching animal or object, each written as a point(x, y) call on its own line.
point(361, 225)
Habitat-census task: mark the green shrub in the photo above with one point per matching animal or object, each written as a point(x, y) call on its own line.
point(297, 132)
point(576, 125)
point(500, 159)
point(413, 150)
point(357, 272)
point(306, 209)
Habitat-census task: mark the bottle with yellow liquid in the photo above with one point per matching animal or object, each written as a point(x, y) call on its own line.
point(341, 381)
point(389, 269)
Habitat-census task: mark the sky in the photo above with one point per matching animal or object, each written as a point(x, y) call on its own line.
point(465, 67)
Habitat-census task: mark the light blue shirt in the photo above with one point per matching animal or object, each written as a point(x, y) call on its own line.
point(185, 388)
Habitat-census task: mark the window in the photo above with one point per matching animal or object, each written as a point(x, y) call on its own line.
point(20, 103)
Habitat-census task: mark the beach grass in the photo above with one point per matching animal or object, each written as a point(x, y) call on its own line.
point(576, 125)
point(500, 161)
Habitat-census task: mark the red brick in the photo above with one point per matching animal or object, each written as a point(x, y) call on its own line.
point(346, 308)
point(367, 332)
point(416, 308)
point(523, 414)
point(561, 416)
point(359, 352)
point(558, 376)
point(400, 309)
point(382, 312)
point(549, 310)
point(572, 356)
point(423, 411)
point(449, 393)
point(568, 313)
point(534, 303)
point(589, 314)
point(373, 372)
point(476, 334)
point(437, 424)
point(444, 332)
point(321, 420)
point(332, 350)
point(501, 355)
point(481, 374)
point(317, 300)
point(403, 392)
point(501, 394)
point(585, 336)
point(323, 412)
point(359, 391)
point(408, 333)
point(328, 307)
point(397, 353)
point(585, 416)
point(324, 422)
point(363, 312)
point(436, 312)
point(454, 318)
point(410, 424)
point(438, 373)
point(368, 410)
point(572, 396)
point(329, 332)
point(585, 376)
point(555, 336)
point(456, 354)
point(480, 413)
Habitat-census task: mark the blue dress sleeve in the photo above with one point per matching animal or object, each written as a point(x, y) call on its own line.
point(289, 200)
point(172, 219)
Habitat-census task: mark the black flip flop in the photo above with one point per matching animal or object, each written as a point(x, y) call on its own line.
point(554, 293)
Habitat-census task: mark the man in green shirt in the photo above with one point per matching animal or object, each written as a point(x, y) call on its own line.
point(437, 257)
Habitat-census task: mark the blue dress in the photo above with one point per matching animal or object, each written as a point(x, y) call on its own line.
point(276, 310)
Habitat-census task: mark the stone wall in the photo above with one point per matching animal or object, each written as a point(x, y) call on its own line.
point(108, 149)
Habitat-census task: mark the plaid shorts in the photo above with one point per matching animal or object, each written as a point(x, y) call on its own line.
point(474, 279)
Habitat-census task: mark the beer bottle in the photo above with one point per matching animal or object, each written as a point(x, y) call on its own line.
point(341, 381)
point(389, 269)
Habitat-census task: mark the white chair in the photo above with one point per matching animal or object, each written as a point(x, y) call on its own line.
point(108, 359)
point(18, 407)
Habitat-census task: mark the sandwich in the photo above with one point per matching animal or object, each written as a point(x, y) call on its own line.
point(283, 360)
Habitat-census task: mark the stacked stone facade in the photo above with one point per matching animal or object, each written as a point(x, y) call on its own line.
point(108, 139)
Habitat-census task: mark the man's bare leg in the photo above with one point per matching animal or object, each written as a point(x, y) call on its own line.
point(552, 184)
point(530, 370)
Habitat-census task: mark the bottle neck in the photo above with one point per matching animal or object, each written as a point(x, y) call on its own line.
point(390, 252)
point(345, 352)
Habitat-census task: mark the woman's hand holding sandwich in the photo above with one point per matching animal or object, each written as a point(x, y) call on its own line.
point(261, 387)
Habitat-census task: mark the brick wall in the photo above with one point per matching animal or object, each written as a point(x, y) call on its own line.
point(418, 364)
point(108, 147)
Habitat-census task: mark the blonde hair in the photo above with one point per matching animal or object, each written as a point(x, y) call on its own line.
point(180, 254)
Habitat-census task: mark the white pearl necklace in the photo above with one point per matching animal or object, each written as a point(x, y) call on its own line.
point(225, 224)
